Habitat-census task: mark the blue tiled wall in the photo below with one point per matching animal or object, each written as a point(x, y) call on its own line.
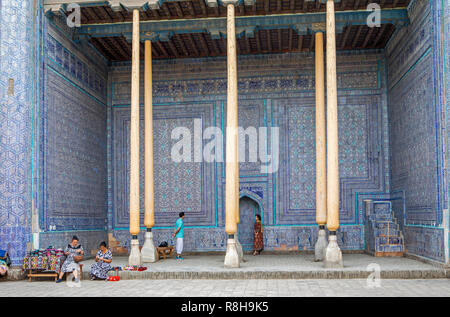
point(72, 187)
point(65, 172)
point(416, 134)
point(17, 38)
point(274, 90)
point(446, 54)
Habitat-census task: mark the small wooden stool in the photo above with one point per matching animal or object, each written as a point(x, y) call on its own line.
point(32, 274)
point(164, 251)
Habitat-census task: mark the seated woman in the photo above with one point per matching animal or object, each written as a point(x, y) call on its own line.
point(73, 251)
point(99, 270)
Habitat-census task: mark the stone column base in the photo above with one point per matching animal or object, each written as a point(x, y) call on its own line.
point(239, 248)
point(333, 254)
point(148, 251)
point(321, 245)
point(231, 256)
point(135, 257)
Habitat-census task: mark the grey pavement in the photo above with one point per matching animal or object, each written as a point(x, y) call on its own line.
point(274, 263)
point(232, 288)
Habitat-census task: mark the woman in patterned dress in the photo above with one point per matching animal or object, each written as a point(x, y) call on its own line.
point(99, 270)
point(258, 244)
point(73, 249)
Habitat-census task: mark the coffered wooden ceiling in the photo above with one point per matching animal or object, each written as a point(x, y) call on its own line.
point(277, 40)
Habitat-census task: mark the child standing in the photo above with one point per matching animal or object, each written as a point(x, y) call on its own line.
point(178, 232)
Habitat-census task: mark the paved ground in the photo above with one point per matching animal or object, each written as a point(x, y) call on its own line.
point(275, 263)
point(231, 288)
point(277, 266)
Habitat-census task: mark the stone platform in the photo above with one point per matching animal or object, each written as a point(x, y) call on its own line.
point(276, 266)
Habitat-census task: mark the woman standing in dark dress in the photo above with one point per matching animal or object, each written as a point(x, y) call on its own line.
point(258, 244)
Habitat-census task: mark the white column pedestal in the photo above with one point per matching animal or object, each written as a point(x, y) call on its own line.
point(333, 254)
point(148, 251)
point(135, 257)
point(321, 245)
point(239, 248)
point(231, 256)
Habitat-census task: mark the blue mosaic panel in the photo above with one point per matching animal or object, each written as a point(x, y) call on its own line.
point(415, 120)
point(359, 157)
point(271, 98)
point(183, 186)
point(427, 242)
point(75, 157)
point(412, 118)
point(413, 131)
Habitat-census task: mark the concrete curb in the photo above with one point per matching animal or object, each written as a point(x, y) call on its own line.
point(328, 274)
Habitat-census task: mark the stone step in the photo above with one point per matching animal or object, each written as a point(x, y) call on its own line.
point(392, 240)
point(382, 225)
point(390, 248)
point(381, 216)
point(385, 232)
point(317, 274)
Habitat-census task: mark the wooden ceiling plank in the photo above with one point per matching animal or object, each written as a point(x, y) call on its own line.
point(194, 47)
point(204, 44)
point(113, 41)
point(101, 49)
point(173, 48)
point(346, 34)
point(266, 6)
point(179, 39)
point(311, 44)
point(162, 49)
point(379, 35)
point(280, 47)
point(191, 8)
point(203, 6)
point(269, 41)
point(165, 8)
point(258, 41)
point(125, 45)
point(292, 5)
point(290, 39)
point(179, 9)
point(248, 45)
point(368, 37)
point(358, 33)
point(300, 42)
point(111, 51)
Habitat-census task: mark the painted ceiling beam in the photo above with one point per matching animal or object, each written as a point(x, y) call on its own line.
point(55, 6)
point(302, 23)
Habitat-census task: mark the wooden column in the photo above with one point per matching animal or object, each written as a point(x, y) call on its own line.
point(134, 130)
point(321, 162)
point(148, 251)
point(149, 219)
point(232, 163)
point(332, 124)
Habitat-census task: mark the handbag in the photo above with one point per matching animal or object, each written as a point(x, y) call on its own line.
point(78, 258)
